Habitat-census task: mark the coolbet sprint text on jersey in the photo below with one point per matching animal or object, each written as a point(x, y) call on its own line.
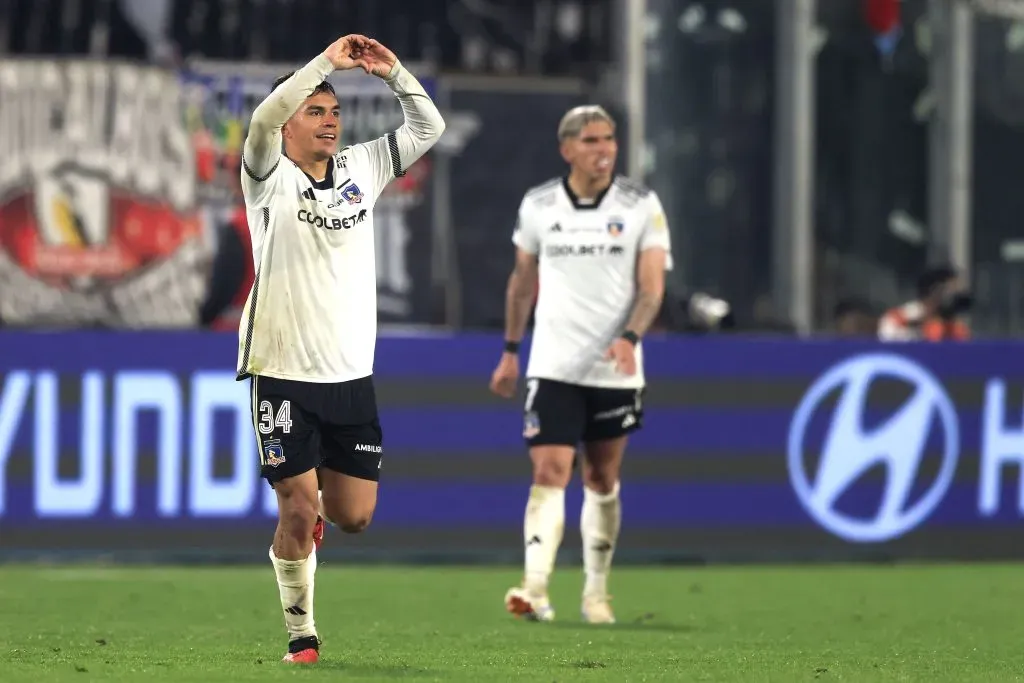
point(587, 255)
point(312, 312)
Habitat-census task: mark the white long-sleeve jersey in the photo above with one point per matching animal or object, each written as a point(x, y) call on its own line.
point(312, 312)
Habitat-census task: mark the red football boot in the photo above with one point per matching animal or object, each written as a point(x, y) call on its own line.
point(318, 532)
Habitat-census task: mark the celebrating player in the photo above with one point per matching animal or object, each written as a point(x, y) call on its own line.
point(309, 325)
point(600, 246)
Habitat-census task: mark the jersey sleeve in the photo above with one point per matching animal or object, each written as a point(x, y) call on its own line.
point(390, 155)
point(261, 153)
point(526, 236)
point(655, 233)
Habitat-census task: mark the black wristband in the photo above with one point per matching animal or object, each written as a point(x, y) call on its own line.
point(511, 346)
point(630, 336)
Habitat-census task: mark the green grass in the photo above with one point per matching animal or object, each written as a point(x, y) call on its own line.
point(913, 623)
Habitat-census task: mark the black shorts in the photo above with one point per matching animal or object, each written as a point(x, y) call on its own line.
point(558, 413)
point(303, 425)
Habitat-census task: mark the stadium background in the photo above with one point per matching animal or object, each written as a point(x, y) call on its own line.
point(119, 139)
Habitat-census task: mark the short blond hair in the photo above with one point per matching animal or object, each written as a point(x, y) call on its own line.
point(576, 119)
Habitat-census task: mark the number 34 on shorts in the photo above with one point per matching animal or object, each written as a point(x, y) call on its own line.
point(269, 421)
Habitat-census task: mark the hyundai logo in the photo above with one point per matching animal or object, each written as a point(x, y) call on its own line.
point(849, 448)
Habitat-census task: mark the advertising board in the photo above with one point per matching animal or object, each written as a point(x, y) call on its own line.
point(751, 449)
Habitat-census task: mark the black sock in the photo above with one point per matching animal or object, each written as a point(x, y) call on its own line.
point(307, 643)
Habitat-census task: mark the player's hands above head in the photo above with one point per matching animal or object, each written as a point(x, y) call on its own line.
point(379, 59)
point(623, 353)
point(505, 376)
point(357, 51)
point(345, 52)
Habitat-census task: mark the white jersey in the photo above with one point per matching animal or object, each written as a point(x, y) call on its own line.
point(588, 269)
point(312, 312)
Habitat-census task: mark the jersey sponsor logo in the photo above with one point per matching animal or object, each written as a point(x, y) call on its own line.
point(368, 448)
point(616, 226)
point(332, 223)
point(352, 194)
point(559, 250)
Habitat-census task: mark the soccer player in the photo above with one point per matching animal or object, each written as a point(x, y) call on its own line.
point(309, 326)
point(599, 246)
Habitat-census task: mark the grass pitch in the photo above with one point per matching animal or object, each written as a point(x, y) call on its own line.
point(911, 623)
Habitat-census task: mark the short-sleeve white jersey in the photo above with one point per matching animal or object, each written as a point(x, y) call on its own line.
point(587, 255)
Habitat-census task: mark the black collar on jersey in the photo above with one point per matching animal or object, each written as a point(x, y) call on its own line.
point(328, 182)
point(576, 204)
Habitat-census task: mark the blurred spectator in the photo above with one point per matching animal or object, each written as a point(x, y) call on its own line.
point(853, 318)
point(937, 314)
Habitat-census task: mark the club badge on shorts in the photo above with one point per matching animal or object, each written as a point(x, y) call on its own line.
point(273, 452)
point(531, 425)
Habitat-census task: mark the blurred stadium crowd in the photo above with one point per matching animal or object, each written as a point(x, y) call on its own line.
point(711, 125)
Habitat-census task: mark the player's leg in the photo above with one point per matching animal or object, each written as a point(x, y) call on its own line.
point(613, 414)
point(552, 426)
point(289, 453)
point(352, 452)
point(348, 501)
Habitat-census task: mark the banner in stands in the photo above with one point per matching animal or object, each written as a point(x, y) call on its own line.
point(120, 201)
point(99, 219)
point(775, 449)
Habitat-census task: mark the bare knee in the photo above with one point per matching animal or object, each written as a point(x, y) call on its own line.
point(297, 517)
point(602, 464)
point(297, 512)
point(355, 525)
point(600, 480)
point(552, 466)
point(348, 519)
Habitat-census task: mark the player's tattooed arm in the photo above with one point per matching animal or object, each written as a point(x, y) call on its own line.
point(522, 288)
point(650, 290)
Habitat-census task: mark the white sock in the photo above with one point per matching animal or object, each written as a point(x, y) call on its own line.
point(542, 534)
point(295, 582)
point(599, 525)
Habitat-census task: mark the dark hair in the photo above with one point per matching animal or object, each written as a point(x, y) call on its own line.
point(323, 87)
point(933, 278)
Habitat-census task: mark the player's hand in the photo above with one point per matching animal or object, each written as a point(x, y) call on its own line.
point(624, 354)
point(506, 375)
point(378, 59)
point(346, 53)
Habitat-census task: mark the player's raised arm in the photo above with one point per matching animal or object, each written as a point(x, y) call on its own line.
point(392, 154)
point(262, 150)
